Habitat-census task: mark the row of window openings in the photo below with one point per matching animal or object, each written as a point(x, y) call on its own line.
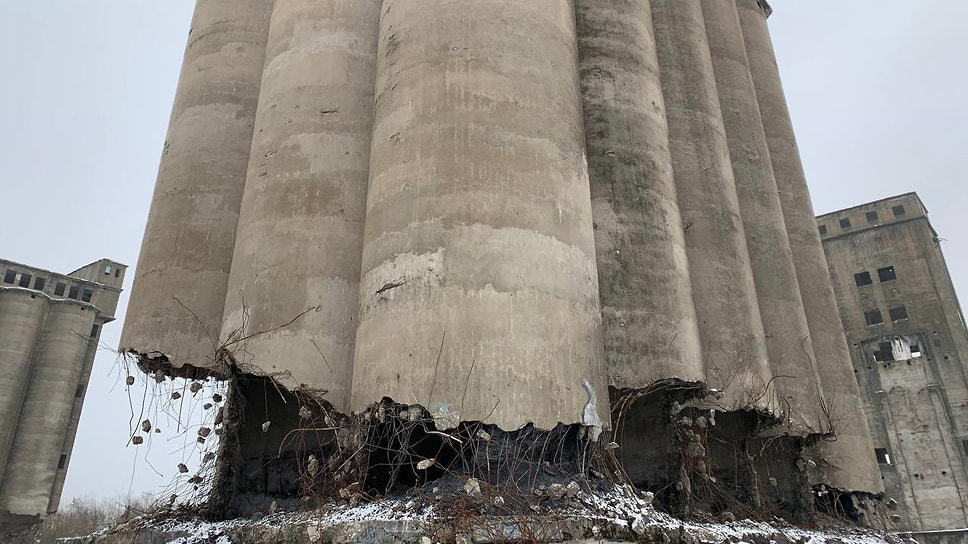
point(872, 218)
point(884, 458)
point(885, 274)
point(875, 317)
point(39, 284)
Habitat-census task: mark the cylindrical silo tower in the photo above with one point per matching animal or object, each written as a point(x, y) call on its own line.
point(300, 237)
point(31, 469)
point(722, 280)
point(479, 295)
point(788, 340)
point(179, 290)
point(851, 464)
point(22, 315)
point(649, 321)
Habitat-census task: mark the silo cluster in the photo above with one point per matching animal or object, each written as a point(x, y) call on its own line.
point(506, 211)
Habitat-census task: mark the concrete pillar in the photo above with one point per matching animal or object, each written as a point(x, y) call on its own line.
point(850, 463)
point(479, 295)
point(722, 280)
point(788, 340)
point(648, 316)
point(48, 402)
point(300, 234)
point(179, 289)
point(21, 318)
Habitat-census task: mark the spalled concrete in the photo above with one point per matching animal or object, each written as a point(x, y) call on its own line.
point(479, 296)
point(295, 274)
point(180, 282)
point(846, 462)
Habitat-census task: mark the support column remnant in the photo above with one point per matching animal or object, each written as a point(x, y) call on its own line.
point(778, 293)
point(175, 311)
point(295, 275)
point(847, 463)
point(479, 296)
point(722, 281)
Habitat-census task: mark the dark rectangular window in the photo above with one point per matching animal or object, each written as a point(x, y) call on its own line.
point(883, 458)
point(10, 276)
point(873, 317)
point(964, 444)
point(863, 278)
point(94, 331)
point(845, 223)
point(25, 280)
point(79, 392)
point(86, 297)
point(117, 272)
point(72, 294)
point(898, 211)
point(872, 217)
point(59, 289)
point(823, 230)
point(884, 353)
point(898, 313)
point(886, 274)
point(40, 283)
point(62, 462)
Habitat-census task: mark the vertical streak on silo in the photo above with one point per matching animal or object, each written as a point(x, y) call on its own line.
point(179, 290)
point(722, 281)
point(479, 295)
point(21, 318)
point(851, 463)
point(649, 321)
point(788, 340)
point(300, 237)
point(31, 469)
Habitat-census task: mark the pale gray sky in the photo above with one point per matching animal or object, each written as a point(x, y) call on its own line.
point(877, 89)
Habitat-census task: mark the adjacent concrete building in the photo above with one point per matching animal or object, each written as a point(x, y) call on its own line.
point(909, 347)
point(512, 213)
point(50, 326)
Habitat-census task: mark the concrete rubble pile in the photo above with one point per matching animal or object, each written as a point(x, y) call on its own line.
point(581, 223)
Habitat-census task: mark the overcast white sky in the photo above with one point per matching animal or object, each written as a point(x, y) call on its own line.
point(877, 89)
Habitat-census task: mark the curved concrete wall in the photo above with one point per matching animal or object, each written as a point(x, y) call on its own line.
point(21, 319)
point(648, 316)
point(788, 340)
point(852, 465)
point(479, 295)
point(187, 248)
point(300, 234)
point(31, 469)
point(722, 280)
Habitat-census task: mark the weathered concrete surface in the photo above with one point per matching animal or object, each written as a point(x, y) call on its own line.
point(179, 288)
point(788, 341)
point(847, 463)
point(910, 366)
point(22, 316)
point(648, 316)
point(479, 295)
point(49, 329)
point(722, 281)
point(300, 234)
point(32, 465)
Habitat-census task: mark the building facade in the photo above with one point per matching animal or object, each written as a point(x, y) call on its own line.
point(513, 212)
point(50, 326)
point(910, 349)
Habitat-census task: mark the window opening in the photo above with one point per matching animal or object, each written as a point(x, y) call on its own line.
point(94, 331)
point(86, 297)
point(886, 274)
point(863, 278)
point(72, 294)
point(872, 217)
point(59, 289)
point(845, 223)
point(79, 392)
point(40, 283)
point(10, 276)
point(117, 272)
point(873, 317)
point(25, 280)
point(899, 313)
point(107, 270)
point(898, 211)
point(823, 230)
